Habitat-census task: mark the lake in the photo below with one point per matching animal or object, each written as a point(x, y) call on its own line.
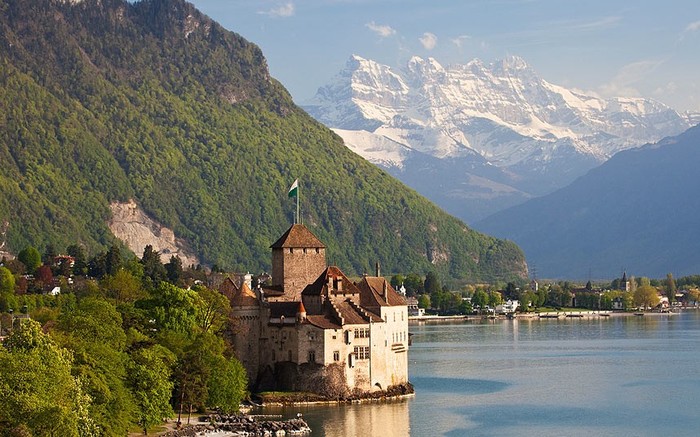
point(615, 376)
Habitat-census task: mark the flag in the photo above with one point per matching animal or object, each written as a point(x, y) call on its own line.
point(294, 189)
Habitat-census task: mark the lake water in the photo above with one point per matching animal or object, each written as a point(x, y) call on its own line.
point(616, 376)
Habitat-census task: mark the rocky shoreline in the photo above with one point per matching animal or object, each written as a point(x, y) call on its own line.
point(242, 425)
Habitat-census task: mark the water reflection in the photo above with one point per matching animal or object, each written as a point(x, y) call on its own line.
point(385, 419)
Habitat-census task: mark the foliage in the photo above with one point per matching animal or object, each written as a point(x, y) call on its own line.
point(646, 296)
point(7, 280)
point(670, 288)
point(149, 379)
point(213, 310)
point(37, 390)
point(31, 258)
point(93, 330)
point(432, 283)
point(173, 308)
point(108, 103)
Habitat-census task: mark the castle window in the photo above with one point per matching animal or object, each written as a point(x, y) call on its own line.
point(361, 352)
point(361, 332)
point(318, 250)
point(312, 357)
point(336, 355)
point(304, 250)
point(291, 250)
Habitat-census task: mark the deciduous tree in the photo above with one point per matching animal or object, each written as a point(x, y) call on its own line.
point(646, 296)
point(149, 379)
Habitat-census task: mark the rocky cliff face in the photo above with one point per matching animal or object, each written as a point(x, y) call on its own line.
point(133, 227)
point(480, 117)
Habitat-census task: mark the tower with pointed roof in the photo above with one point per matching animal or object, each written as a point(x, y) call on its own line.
point(298, 258)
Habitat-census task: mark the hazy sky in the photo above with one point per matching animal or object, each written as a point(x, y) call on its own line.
point(613, 48)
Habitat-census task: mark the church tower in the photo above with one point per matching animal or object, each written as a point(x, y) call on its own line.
point(298, 258)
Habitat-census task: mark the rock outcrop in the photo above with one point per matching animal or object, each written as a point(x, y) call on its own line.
point(132, 226)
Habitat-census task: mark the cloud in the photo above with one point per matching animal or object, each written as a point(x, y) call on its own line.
point(601, 23)
point(429, 40)
point(693, 27)
point(630, 74)
point(460, 40)
point(285, 10)
point(381, 29)
point(666, 89)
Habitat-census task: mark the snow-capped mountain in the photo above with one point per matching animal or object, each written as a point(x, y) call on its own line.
point(496, 123)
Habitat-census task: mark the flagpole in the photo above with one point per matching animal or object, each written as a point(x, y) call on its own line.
point(298, 193)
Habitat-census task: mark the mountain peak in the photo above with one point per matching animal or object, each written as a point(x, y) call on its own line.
point(512, 63)
point(542, 135)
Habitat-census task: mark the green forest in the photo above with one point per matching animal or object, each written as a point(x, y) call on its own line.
point(104, 101)
point(114, 354)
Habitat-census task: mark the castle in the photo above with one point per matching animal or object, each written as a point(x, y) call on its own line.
point(312, 317)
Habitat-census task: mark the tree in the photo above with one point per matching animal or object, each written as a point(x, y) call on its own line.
point(7, 280)
point(37, 390)
point(80, 263)
point(432, 283)
point(413, 284)
point(44, 276)
point(174, 308)
point(646, 296)
point(153, 269)
point(511, 291)
point(213, 310)
point(670, 288)
point(397, 280)
point(149, 380)
point(123, 287)
point(49, 254)
point(480, 299)
point(113, 260)
point(93, 330)
point(31, 258)
point(495, 299)
point(173, 270)
point(424, 301)
point(228, 383)
point(465, 307)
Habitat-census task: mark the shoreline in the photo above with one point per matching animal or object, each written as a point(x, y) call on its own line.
point(394, 398)
point(586, 314)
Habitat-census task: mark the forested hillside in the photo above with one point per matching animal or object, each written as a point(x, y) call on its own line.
point(104, 101)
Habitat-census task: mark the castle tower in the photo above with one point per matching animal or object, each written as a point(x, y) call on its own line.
point(298, 258)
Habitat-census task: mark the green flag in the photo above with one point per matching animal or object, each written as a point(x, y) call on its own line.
point(294, 189)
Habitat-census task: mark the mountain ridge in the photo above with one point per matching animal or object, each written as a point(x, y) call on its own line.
point(541, 135)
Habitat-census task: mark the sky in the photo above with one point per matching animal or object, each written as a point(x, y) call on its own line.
point(613, 48)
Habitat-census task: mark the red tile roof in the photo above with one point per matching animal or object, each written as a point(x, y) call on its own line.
point(298, 236)
point(320, 285)
point(323, 322)
point(376, 292)
point(245, 297)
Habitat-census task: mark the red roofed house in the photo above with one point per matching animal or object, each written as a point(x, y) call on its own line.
point(313, 317)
